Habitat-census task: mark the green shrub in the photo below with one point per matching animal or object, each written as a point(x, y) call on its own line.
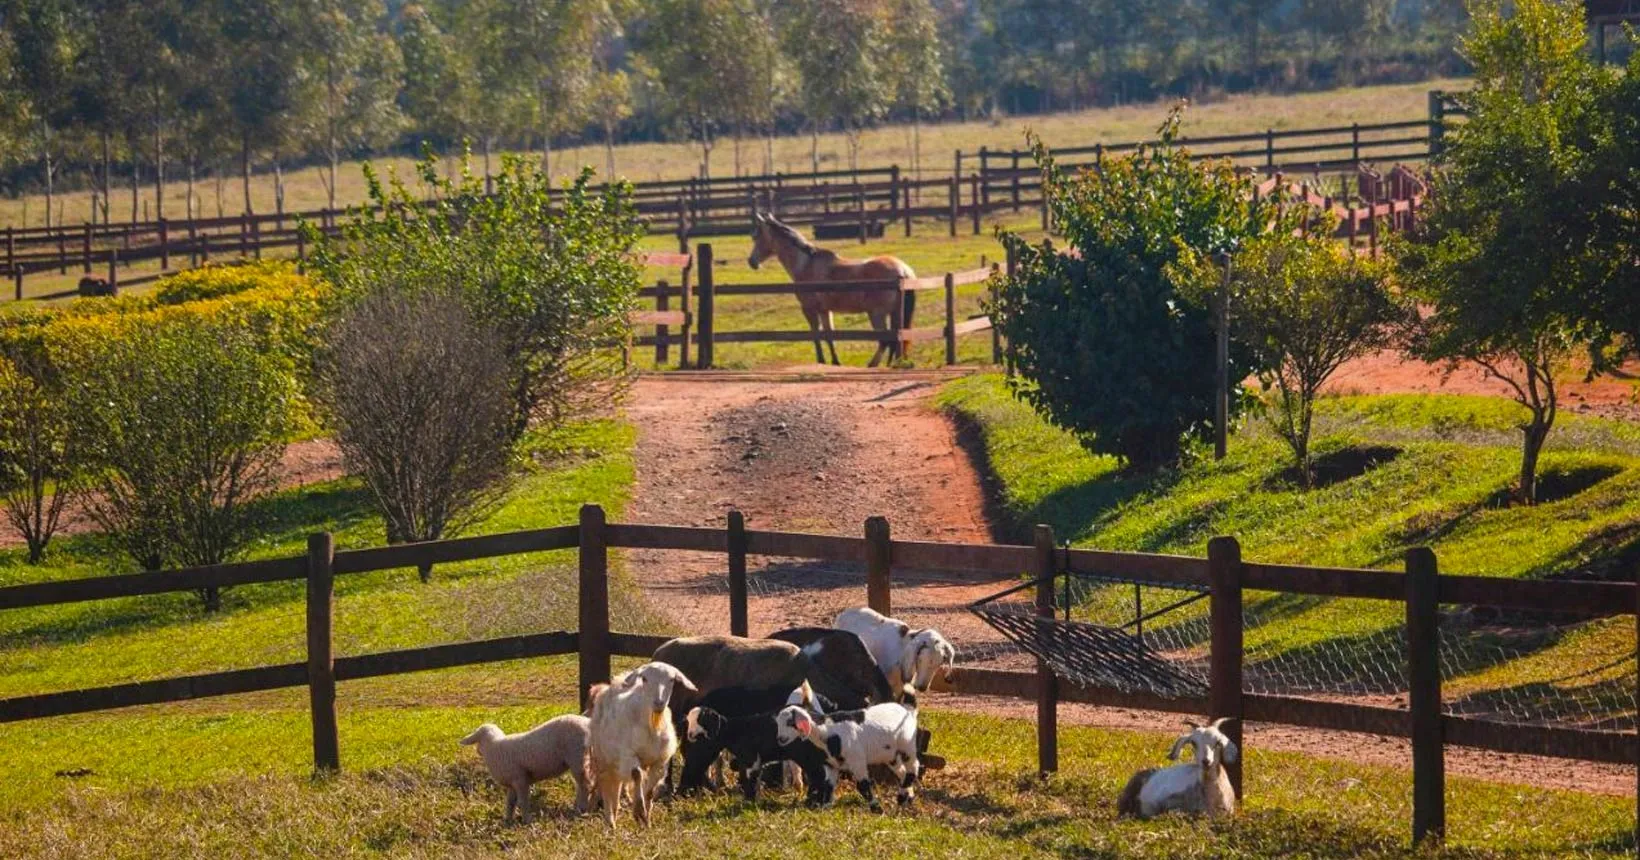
point(1116, 344)
point(218, 280)
point(39, 464)
point(182, 424)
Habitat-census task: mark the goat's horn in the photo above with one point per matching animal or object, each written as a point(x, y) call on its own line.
point(1221, 721)
point(1192, 725)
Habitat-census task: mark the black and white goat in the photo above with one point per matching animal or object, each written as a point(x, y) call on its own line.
point(853, 741)
point(752, 742)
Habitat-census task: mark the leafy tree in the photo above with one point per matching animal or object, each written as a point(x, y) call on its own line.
point(258, 75)
point(1304, 305)
point(839, 47)
point(1503, 249)
point(553, 273)
point(1352, 27)
point(1116, 342)
point(353, 74)
point(704, 57)
point(915, 65)
point(47, 40)
point(543, 48)
point(182, 429)
point(39, 470)
point(1613, 191)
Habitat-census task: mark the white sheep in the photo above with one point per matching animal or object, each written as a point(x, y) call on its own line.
point(632, 736)
point(516, 762)
point(1199, 787)
point(905, 655)
point(853, 741)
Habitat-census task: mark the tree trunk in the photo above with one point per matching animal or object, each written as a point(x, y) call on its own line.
point(814, 145)
point(489, 187)
point(916, 149)
point(1535, 433)
point(159, 170)
point(245, 170)
point(108, 175)
point(221, 172)
point(737, 151)
point(278, 185)
point(49, 187)
point(609, 150)
point(136, 179)
point(190, 186)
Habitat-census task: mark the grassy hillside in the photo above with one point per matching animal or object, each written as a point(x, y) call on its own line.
point(304, 188)
point(1396, 471)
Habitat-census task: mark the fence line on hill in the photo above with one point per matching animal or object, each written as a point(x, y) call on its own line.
point(859, 203)
point(1223, 574)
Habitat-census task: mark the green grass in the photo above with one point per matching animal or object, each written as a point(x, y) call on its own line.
point(69, 646)
point(1446, 464)
point(183, 784)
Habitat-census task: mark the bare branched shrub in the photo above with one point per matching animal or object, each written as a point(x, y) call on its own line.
point(418, 394)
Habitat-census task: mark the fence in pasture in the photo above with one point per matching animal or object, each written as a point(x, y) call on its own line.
point(696, 327)
point(889, 575)
point(858, 203)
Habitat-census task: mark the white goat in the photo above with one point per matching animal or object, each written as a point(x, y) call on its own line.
point(632, 737)
point(1199, 787)
point(516, 762)
point(853, 741)
point(906, 656)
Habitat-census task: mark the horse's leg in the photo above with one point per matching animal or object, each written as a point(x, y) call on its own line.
point(831, 342)
point(879, 322)
point(813, 316)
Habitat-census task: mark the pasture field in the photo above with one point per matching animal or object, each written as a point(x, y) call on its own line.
point(305, 190)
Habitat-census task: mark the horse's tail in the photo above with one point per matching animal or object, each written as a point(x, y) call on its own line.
point(905, 321)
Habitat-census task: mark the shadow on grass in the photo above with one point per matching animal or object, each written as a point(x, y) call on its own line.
point(1336, 466)
point(1609, 555)
point(1606, 705)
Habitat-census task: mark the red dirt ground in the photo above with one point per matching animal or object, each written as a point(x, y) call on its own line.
point(1613, 396)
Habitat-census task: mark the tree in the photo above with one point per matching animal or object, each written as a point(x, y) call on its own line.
point(915, 65)
point(1505, 246)
point(47, 41)
point(417, 392)
point(838, 47)
point(1116, 343)
point(1305, 305)
point(1612, 190)
point(544, 48)
point(353, 74)
point(258, 75)
point(1351, 26)
point(704, 56)
point(553, 273)
point(39, 471)
point(182, 428)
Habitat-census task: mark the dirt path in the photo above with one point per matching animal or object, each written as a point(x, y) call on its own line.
point(306, 462)
point(825, 451)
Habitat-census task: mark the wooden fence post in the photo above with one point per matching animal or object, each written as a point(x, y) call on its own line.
point(955, 202)
point(321, 663)
point(11, 248)
point(894, 194)
point(301, 251)
point(594, 601)
point(62, 251)
point(1047, 687)
point(950, 318)
point(688, 317)
point(1270, 148)
point(703, 260)
point(996, 296)
point(738, 621)
point(164, 245)
point(85, 248)
point(1016, 180)
point(1437, 123)
point(1224, 669)
point(17, 283)
point(663, 332)
point(1424, 696)
point(983, 188)
point(256, 237)
point(113, 271)
point(979, 210)
point(879, 566)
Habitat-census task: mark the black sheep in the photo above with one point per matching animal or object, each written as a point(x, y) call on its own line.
point(841, 669)
point(752, 743)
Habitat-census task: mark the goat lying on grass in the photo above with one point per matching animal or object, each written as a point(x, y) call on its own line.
point(1199, 787)
point(516, 762)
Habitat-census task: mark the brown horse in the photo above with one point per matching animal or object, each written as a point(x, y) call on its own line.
point(807, 263)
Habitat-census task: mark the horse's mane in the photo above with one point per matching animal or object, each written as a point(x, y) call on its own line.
point(792, 236)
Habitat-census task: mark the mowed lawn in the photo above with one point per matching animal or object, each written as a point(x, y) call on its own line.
point(305, 188)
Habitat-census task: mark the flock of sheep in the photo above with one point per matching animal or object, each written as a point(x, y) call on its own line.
point(825, 703)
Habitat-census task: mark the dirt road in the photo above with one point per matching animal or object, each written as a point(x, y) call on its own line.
point(821, 455)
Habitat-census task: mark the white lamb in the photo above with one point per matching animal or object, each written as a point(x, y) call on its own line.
point(1199, 787)
point(632, 737)
point(516, 762)
point(883, 734)
point(906, 656)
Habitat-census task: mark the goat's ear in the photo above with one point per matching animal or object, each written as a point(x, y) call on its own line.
point(1230, 751)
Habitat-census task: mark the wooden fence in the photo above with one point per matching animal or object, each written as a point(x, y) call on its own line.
point(697, 327)
point(840, 203)
point(1227, 576)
